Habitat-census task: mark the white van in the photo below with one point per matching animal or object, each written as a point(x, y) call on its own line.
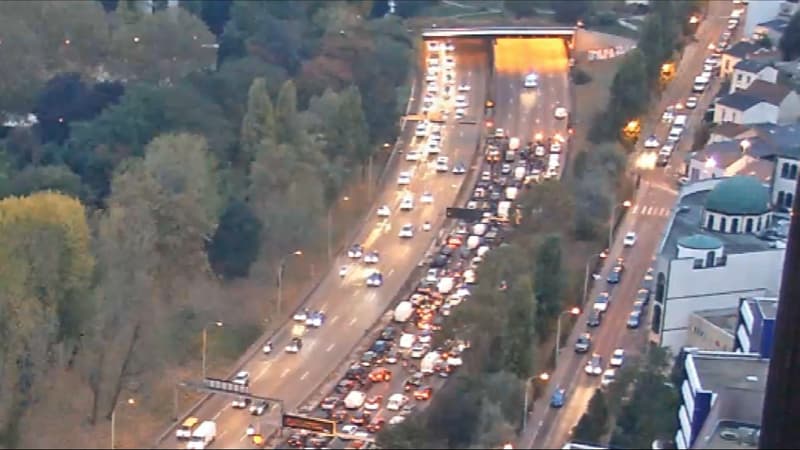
point(445, 285)
point(355, 400)
point(407, 340)
point(479, 229)
point(519, 173)
point(513, 143)
point(203, 436)
point(511, 193)
point(403, 311)
point(473, 242)
point(429, 362)
point(700, 83)
point(680, 120)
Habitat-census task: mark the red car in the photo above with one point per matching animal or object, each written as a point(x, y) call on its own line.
point(376, 425)
point(423, 393)
point(380, 374)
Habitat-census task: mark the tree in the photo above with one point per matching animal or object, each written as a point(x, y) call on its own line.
point(522, 8)
point(789, 43)
point(286, 115)
point(163, 46)
point(549, 276)
point(17, 87)
point(259, 121)
point(56, 178)
point(236, 242)
point(409, 435)
point(569, 12)
point(594, 422)
point(455, 411)
point(547, 207)
point(519, 332)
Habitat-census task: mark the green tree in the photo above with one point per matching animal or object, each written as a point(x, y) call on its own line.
point(789, 43)
point(455, 412)
point(286, 115)
point(549, 276)
point(236, 242)
point(259, 121)
point(43, 178)
point(519, 332)
point(594, 422)
point(17, 87)
point(522, 8)
point(163, 46)
point(569, 12)
point(547, 207)
point(409, 435)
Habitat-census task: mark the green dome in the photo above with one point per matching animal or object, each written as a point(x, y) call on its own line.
point(739, 196)
point(700, 242)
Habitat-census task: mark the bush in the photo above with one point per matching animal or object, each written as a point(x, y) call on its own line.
point(580, 76)
point(605, 18)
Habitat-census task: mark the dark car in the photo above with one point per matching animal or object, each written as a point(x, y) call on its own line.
point(633, 319)
point(389, 333)
point(558, 398)
point(380, 347)
point(638, 307)
point(439, 261)
point(413, 382)
point(594, 318)
point(643, 295)
point(345, 386)
point(615, 275)
point(356, 372)
point(368, 358)
point(583, 343)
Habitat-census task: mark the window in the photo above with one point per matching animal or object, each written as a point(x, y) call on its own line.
point(758, 227)
point(656, 324)
point(793, 172)
point(785, 170)
point(735, 225)
point(661, 283)
point(710, 222)
point(723, 224)
point(789, 198)
point(710, 259)
point(748, 227)
point(695, 175)
point(698, 263)
point(738, 77)
point(781, 199)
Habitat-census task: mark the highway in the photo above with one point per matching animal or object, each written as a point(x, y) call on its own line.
point(350, 307)
point(552, 428)
point(523, 112)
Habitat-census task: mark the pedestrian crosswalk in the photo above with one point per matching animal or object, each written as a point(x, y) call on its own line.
point(644, 210)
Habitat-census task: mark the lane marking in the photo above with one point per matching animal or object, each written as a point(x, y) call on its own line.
point(330, 347)
point(216, 416)
point(285, 372)
point(304, 375)
point(324, 307)
point(352, 321)
point(390, 273)
point(263, 371)
point(335, 318)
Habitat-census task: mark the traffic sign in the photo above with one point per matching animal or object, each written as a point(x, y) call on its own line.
point(225, 386)
point(317, 425)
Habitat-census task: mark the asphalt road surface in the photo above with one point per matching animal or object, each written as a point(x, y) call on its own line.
point(350, 307)
point(524, 112)
point(552, 428)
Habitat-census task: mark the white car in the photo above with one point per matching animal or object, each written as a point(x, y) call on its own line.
point(461, 101)
point(426, 226)
point(407, 231)
point(349, 429)
point(375, 279)
point(629, 240)
point(691, 102)
point(499, 132)
point(396, 402)
point(464, 88)
point(560, 112)
point(301, 316)
point(432, 88)
point(617, 358)
point(343, 271)
point(384, 211)
point(354, 252)
point(651, 142)
point(431, 77)
point(555, 147)
point(240, 403)
point(427, 198)
point(397, 420)
point(460, 113)
point(532, 81)
point(294, 346)
point(418, 350)
point(433, 147)
point(449, 47)
point(421, 130)
point(242, 378)
point(412, 155)
point(404, 179)
point(449, 62)
point(433, 46)
point(595, 365)
point(608, 377)
point(459, 169)
point(407, 204)
point(432, 276)
point(372, 257)
point(539, 150)
point(259, 407)
point(442, 164)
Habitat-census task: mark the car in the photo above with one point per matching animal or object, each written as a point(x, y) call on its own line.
point(421, 130)
point(427, 198)
point(425, 337)
point(608, 377)
point(242, 378)
point(560, 112)
point(360, 418)
point(407, 231)
point(373, 403)
point(459, 169)
point(634, 319)
point(583, 343)
point(330, 403)
point(343, 270)
point(259, 408)
point(486, 176)
point(669, 115)
point(461, 101)
point(391, 356)
point(449, 47)
point(531, 81)
point(407, 409)
point(372, 257)
point(375, 279)
point(355, 252)
point(460, 113)
point(397, 420)
point(638, 306)
point(691, 102)
point(617, 358)
point(396, 402)
point(294, 346)
point(404, 178)
point(413, 155)
point(407, 204)
point(463, 88)
point(301, 315)
point(423, 393)
point(555, 147)
point(449, 62)
point(315, 319)
point(594, 319)
point(595, 365)
point(601, 302)
point(615, 275)
point(643, 295)
point(630, 239)
point(418, 351)
point(380, 374)
point(433, 46)
point(240, 403)
point(368, 358)
point(499, 132)
point(349, 429)
point(651, 142)
point(376, 425)
point(558, 398)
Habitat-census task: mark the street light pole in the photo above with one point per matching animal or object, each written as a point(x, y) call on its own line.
point(205, 344)
point(542, 376)
point(612, 220)
point(330, 228)
point(586, 279)
point(574, 311)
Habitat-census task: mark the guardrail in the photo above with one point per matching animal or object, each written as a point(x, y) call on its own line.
point(255, 348)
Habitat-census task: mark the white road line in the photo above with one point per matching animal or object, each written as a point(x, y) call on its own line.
point(334, 319)
point(352, 321)
point(285, 372)
point(390, 273)
point(263, 371)
point(216, 416)
point(635, 209)
point(304, 375)
point(330, 347)
point(221, 434)
point(324, 307)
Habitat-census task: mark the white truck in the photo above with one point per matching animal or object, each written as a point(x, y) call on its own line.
point(403, 311)
point(503, 209)
point(513, 143)
point(445, 285)
point(355, 400)
point(429, 362)
point(203, 436)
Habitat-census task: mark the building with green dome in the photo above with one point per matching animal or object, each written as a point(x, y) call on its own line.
point(739, 204)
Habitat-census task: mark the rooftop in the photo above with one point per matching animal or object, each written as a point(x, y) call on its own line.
point(767, 306)
point(687, 222)
point(783, 138)
point(719, 370)
point(725, 318)
point(750, 66)
point(771, 93)
point(758, 148)
point(729, 129)
point(733, 422)
point(759, 168)
point(778, 25)
point(739, 195)
point(741, 49)
point(723, 153)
